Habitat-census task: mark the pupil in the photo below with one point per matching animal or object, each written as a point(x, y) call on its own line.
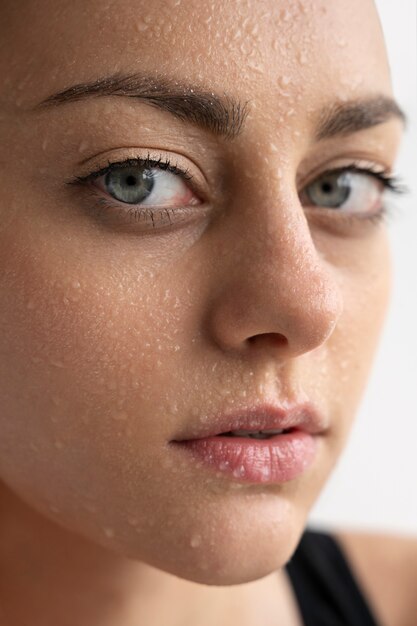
point(327, 187)
point(131, 180)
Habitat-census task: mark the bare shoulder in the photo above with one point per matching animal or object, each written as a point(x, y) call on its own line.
point(385, 566)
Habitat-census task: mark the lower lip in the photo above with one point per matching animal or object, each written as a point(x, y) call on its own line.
point(276, 460)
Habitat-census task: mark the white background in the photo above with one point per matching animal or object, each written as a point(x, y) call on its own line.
point(375, 483)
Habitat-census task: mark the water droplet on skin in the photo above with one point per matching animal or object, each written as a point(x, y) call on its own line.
point(109, 532)
point(83, 146)
point(265, 472)
point(58, 445)
point(284, 81)
point(195, 541)
point(141, 27)
point(31, 304)
point(56, 363)
point(133, 521)
point(239, 471)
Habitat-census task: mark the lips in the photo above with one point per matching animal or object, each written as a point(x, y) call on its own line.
point(302, 417)
point(274, 460)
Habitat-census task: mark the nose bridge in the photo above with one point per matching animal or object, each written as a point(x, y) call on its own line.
point(292, 269)
point(281, 284)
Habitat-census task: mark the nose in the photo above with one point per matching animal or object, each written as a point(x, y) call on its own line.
point(275, 290)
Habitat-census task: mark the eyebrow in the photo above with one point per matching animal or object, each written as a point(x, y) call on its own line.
point(221, 114)
point(342, 119)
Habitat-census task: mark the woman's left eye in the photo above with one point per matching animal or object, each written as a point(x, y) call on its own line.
point(346, 191)
point(146, 186)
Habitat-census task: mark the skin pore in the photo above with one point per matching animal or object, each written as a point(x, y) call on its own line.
point(117, 335)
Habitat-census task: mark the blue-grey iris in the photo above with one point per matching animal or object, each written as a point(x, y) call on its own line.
point(331, 190)
point(129, 184)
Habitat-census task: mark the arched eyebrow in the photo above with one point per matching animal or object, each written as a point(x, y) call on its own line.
point(220, 114)
point(223, 115)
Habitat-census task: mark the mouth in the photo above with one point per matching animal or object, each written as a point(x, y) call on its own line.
point(261, 444)
point(260, 434)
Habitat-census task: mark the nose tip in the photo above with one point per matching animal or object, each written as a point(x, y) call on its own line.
point(306, 320)
point(288, 313)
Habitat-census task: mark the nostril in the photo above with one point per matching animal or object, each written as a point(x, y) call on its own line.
point(274, 340)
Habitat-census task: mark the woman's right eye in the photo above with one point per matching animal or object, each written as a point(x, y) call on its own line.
point(142, 185)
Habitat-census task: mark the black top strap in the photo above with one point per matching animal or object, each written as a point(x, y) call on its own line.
point(325, 587)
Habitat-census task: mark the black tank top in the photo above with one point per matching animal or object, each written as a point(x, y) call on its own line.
point(324, 585)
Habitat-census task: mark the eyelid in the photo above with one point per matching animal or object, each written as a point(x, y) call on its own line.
point(367, 168)
point(340, 163)
point(183, 166)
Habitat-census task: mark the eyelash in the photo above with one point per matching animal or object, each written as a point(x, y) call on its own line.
point(163, 163)
point(389, 182)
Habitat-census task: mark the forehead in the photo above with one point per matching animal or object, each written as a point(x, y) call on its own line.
point(309, 49)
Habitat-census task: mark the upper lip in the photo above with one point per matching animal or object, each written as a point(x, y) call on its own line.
point(301, 416)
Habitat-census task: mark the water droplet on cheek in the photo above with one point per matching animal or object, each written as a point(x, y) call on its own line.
point(195, 541)
point(133, 521)
point(141, 27)
point(83, 146)
point(109, 532)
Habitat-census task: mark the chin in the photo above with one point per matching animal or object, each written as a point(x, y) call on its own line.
point(230, 550)
point(217, 569)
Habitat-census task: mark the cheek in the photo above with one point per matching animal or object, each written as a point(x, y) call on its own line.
point(365, 279)
point(86, 381)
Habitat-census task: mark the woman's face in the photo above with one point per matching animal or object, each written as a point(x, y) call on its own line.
point(124, 328)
